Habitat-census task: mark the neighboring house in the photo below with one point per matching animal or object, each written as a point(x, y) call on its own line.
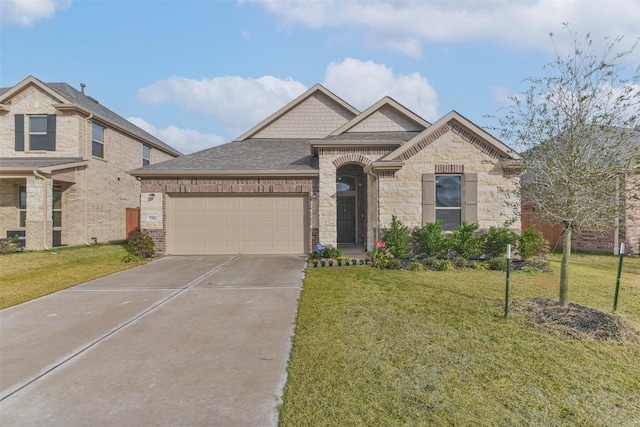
point(627, 228)
point(318, 170)
point(63, 158)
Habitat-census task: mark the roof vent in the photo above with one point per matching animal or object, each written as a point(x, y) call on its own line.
point(82, 86)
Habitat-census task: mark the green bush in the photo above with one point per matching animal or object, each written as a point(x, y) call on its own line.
point(497, 263)
point(330, 251)
point(10, 245)
point(446, 265)
point(397, 238)
point(141, 244)
point(415, 266)
point(459, 262)
point(431, 241)
point(394, 264)
point(464, 241)
point(495, 241)
point(431, 263)
point(532, 244)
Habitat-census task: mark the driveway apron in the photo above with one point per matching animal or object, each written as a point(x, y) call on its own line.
point(181, 341)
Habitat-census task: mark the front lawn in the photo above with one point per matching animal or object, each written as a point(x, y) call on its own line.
point(380, 347)
point(28, 275)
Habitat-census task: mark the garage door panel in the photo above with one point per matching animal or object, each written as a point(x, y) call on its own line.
point(200, 224)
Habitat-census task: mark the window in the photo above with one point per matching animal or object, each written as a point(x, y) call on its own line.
point(22, 206)
point(449, 200)
point(146, 155)
point(57, 206)
point(42, 133)
point(97, 140)
point(345, 183)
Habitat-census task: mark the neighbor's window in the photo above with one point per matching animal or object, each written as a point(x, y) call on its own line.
point(57, 206)
point(38, 137)
point(449, 200)
point(22, 206)
point(146, 155)
point(97, 140)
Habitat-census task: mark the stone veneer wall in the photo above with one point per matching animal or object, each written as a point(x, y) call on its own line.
point(401, 194)
point(231, 186)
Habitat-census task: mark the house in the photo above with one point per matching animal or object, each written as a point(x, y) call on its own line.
point(63, 158)
point(320, 171)
point(626, 228)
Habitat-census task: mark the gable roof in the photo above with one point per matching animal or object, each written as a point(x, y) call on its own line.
point(462, 126)
point(70, 98)
point(314, 91)
point(385, 103)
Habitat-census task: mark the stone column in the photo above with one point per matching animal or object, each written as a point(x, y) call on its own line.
point(327, 203)
point(39, 223)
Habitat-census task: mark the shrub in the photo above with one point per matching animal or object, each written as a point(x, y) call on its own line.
point(142, 244)
point(431, 263)
point(415, 266)
point(431, 241)
point(397, 238)
point(330, 251)
point(497, 263)
point(464, 241)
point(495, 241)
point(10, 245)
point(380, 256)
point(459, 262)
point(445, 265)
point(532, 244)
point(132, 258)
point(394, 264)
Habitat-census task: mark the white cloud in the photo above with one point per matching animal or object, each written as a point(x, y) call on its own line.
point(26, 12)
point(184, 140)
point(238, 103)
point(502, 95)
point(362, 83)
point(405, 25)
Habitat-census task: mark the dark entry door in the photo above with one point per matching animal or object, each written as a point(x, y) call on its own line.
point(346, 219)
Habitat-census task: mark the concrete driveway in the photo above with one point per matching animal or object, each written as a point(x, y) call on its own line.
point(181, 341)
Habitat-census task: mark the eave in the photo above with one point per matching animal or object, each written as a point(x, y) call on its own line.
point(315, 145)
point(381, 166)
point(211, 173)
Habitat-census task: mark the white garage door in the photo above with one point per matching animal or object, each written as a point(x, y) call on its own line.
point(235, 225)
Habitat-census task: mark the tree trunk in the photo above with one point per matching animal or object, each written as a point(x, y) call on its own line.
point(564, 267)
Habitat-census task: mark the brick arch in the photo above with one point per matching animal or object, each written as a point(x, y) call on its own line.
point(352, 158)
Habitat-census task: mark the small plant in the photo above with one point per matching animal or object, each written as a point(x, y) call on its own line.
point(354, 261)
point(10, 245)
point(380, 255)
point(446, 265)
point(339, 261)
point(361, 260)
point(315, 262)
point(346, 261)
point(459, 262)
point(323, 262)
point(532, 244)
point(431, 240)
point(478, 265)
point(397, 238)
point(132, 258)
point(394, 264)
point(431, 263)
point(330, 251)
point(497, 263)
point(495, 241)
point(464, 241)
point(415, 266)
point(142, 244)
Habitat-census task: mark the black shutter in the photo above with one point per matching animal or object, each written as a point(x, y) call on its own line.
point(51, 132)
point(19, 132)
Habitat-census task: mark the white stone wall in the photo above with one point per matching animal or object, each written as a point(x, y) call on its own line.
point(315, 117)
point(402, 194)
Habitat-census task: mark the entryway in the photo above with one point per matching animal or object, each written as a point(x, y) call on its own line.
point(351, 205)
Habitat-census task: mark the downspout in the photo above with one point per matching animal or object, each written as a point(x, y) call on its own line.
point(45, 210)
point(86, 177)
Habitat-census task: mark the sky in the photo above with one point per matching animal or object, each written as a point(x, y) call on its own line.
point(199, 73)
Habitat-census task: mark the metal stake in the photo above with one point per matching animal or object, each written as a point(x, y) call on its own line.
point(506, 297)
point(615, 299)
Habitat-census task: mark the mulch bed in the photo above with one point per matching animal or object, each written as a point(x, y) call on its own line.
point(577, 321)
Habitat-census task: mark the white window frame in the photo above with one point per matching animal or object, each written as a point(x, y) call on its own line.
point(97, 141)
point(22, 211)
point(146, 161)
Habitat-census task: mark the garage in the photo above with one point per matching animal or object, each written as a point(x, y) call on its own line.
point(210, 224)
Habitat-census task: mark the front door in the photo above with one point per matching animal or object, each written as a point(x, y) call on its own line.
point(346, 219)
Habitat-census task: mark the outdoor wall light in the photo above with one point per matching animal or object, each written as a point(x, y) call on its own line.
point(151, 197)
point(314, 195)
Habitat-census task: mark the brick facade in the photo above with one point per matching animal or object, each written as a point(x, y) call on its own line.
point(161, 187)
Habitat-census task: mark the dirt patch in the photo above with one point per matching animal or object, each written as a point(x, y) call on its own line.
point(578, 321)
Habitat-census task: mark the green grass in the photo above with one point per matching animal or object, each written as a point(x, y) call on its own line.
point(28, 275)
point(433, 348)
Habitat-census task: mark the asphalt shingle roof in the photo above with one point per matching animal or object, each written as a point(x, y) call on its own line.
point(400, 137)
point(248, 155)
point(36, 162)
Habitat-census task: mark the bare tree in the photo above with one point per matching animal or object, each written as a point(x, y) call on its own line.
point(574, 125)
